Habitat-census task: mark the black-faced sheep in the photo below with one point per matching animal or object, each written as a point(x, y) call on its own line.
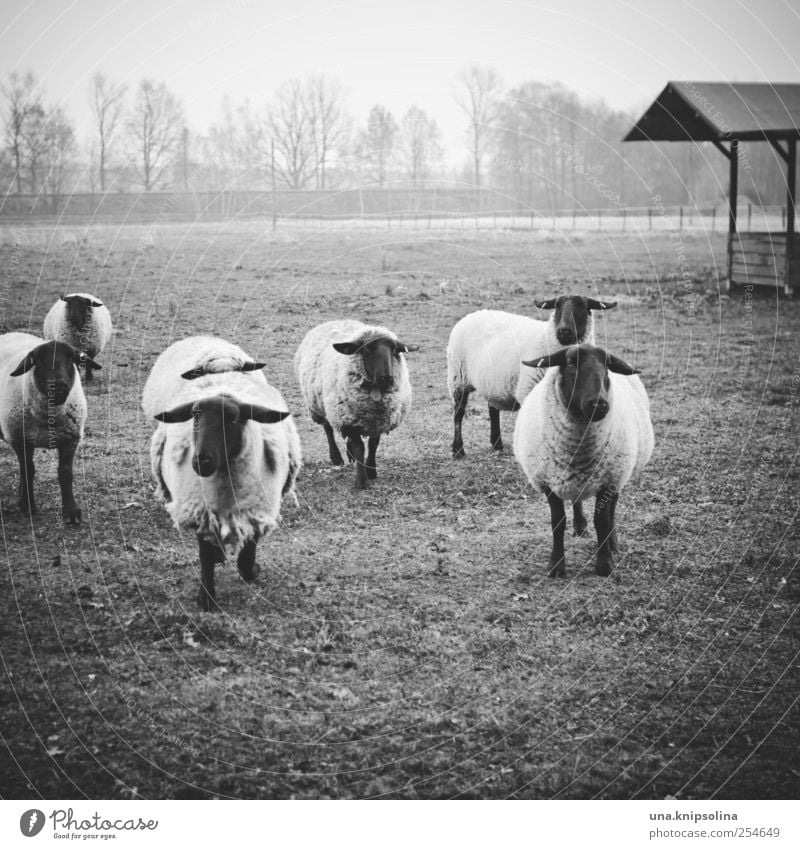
point(354, 379)
point(80, 320)
point(224, 454)
point(42, 405)
point(584, 431)
point(486, 348)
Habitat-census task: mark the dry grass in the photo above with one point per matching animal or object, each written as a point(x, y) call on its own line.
point(405, 642)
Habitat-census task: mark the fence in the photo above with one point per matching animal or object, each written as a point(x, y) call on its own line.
point(432, 208)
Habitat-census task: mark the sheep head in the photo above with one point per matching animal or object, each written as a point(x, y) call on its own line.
point(219, 423)
point(380, 359)
point(583, 380)
point(53, 365)
point(571, 315)
point(80, 308)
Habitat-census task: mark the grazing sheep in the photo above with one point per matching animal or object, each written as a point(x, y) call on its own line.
point(486, 347)
point(80, 320)
point(42, 405)
point(354, 378)
point(225, 452)
point(584, 430)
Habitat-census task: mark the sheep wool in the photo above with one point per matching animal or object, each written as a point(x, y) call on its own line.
point(224, 509)
point(486, 348)
point(25, 412)
point(577, 459)
point(332, 384)
point(91, 338)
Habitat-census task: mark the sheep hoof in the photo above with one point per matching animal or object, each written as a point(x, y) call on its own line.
point(372, 473)
point(250, 573)
point(72, 515)
point(458, 454)
point(27, 508)
point(207, 602)
point(603, 567)
point(497, 446)
point(557, 569)
point(579, 529)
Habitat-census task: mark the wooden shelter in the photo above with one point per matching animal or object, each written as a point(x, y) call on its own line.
point(726, 114)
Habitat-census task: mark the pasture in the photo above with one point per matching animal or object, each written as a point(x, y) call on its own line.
point(405, 642)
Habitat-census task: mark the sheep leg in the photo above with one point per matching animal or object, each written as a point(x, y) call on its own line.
point(460, 398)
point(355, 450)
point(558, 522)
point(604, 509)
point(494, 429)
point(372, 468)
point(579, 523)
point(210, 555)
point(333, 448)
point(246, 562)
point(69, 509)
point(24, 452)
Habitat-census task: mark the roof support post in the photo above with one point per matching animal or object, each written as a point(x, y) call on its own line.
point(733, 191)
point(791, 179)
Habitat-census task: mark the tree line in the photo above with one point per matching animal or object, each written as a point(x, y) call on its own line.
point(536, 145)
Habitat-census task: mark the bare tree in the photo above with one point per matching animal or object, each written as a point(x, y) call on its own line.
point(23, 114)
point(108, 108)
point(236, 147)
point(288, 123)
point(421, 148)
point(376, 143)
point(478, 94)
point(328, 123)
point(58, 137)
point(155, 125)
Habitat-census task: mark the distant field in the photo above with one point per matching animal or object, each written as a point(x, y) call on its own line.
point(406, 642)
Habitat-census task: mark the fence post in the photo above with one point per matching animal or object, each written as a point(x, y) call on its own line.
point(573, 217)
point(649, 218)
point(624, 218)
point(531, 219)
point(749, 215)
point(600, 219)
point(714, 219)
point(783, 218)
point(680, 220)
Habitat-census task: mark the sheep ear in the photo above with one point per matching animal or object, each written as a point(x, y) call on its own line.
point(549, 304)
point(263, 415)
point(402, 348)
point(348, 348)
point(619, 366)
point(95, 303)
point(177, 414)
point(600, 305)
point(82, 358)
point(557, 359)
point(252, 366)
point(193, 373)
point(26, 365)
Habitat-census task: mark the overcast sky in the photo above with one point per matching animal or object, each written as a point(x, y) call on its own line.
point(394, 53)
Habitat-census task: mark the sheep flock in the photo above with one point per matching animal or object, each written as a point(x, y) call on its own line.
point(225, 451)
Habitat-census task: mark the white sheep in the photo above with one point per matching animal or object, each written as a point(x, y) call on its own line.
point(80, 320)
point(584, 431)
point(486, 348)
point(42, 405)
point(354, 379)
point(225, 452)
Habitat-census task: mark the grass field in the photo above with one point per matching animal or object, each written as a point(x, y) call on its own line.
point(406, 642)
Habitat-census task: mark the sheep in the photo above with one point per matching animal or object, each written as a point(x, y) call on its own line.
point(224, 454)
point(82, 321)
point(354, 378)
point(584, 430)
point(485, 349)
point(42, 405)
